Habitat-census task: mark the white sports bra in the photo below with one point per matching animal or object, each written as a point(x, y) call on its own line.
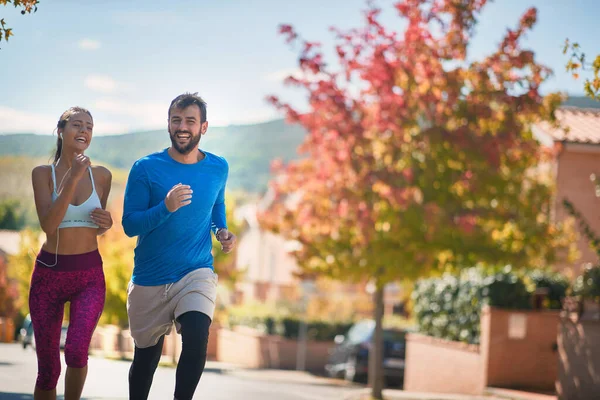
point(78, 216)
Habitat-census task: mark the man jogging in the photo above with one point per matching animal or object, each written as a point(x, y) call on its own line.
point(173, 200)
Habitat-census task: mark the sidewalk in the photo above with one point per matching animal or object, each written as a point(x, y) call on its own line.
point(519, 395)
point(301, 377)
point(392, 394)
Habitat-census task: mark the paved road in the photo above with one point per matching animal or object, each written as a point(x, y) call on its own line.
point(107, 380)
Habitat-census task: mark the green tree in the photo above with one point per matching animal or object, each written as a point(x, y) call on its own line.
point(11, 216)
point(27, 6)
point(416, 159)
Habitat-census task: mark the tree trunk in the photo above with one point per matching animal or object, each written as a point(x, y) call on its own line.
point(376, 353)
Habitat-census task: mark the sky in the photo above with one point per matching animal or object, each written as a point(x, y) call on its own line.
point(126, 60)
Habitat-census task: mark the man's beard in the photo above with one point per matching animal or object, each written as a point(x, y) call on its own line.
point(191, 145)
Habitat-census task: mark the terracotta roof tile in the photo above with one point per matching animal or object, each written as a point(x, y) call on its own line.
point(583, 125)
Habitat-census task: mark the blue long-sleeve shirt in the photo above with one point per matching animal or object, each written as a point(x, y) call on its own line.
point(170, 245)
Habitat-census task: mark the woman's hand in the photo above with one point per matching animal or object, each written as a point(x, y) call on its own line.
point(102, 218)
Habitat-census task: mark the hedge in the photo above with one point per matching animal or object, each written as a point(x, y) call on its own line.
point(289, 327)
point(450, 306)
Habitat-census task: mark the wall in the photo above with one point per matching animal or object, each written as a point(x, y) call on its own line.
point(442, 366)
point(518, 350)
point(579, 358)
point(575, 164)
point(529, 360)
point(246, 347)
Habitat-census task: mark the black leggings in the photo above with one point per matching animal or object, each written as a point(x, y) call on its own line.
point(194, 334)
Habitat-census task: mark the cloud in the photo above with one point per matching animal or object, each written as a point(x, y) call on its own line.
point(251, 116)
point(278, 76)
point(19, 121)
point(101, 83)
point(148, 115)
point(145, 115)
point(88, 44)
point(13, 120)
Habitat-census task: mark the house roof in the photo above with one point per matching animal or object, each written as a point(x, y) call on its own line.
point(582, 125)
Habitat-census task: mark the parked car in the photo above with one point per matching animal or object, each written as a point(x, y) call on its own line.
point(27, 337)
point(349, 359)
point(26, 333)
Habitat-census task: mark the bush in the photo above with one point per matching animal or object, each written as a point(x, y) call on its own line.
point(450, 307)
point(587, 285)
point(557, 285)
point(277, 322)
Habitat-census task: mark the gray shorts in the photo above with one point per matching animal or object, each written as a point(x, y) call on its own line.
point(152, 310)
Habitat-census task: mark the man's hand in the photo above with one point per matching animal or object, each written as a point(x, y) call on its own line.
point(227, 240)
point(179, 196)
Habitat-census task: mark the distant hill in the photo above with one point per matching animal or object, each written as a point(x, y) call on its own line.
point(249, 149)
point(582, 102)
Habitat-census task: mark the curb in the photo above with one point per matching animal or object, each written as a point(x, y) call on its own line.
point(392, 394)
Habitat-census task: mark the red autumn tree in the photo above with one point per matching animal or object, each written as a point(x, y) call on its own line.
point(415, 157)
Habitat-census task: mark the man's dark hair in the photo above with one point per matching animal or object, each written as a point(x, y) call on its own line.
point(187, 99)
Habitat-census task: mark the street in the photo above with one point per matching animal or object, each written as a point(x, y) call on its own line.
point(107, 379)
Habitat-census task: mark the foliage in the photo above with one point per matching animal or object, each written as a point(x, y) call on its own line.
point(27, 7)
point(16, 192)
point(429, 163)
point(117, 258)
point(450, 306)
point(274, 320)
point(225, 264)
point(8, 296)
point(20, 266)
point(333, 300)
point(557, 286)
point(587, 285)
point(12, 217)
point(578, 63)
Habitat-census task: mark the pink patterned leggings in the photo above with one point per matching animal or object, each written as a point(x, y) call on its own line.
point(78, 279)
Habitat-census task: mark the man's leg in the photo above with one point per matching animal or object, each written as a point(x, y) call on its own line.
point(142, 370)
point(194, 334)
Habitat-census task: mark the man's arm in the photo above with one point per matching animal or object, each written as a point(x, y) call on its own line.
point(219, 215)
point(219, 219)
point(138, 218)
point(219, 212)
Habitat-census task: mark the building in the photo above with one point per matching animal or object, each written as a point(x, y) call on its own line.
point(577, 159)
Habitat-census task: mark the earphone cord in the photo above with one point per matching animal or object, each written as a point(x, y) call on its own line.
point(58, 192)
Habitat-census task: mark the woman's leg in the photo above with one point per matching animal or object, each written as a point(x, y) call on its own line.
point(86, 308)
point(46, 309)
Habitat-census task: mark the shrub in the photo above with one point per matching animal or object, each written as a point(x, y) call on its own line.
point(587, 285)
point(276, 322)
point(449, 307)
